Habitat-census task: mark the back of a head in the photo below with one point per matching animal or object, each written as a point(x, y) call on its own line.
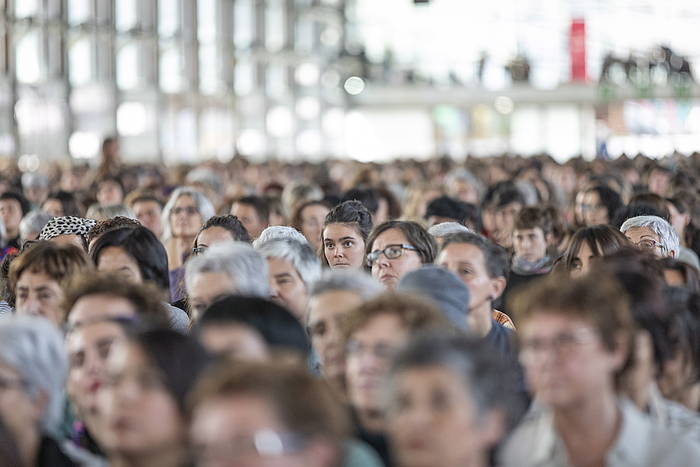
point(441, 286)
point(447, 228)
point(444, 206)
point(367, 196)
point(333, 280)
point(277, 232)
point(275, 324)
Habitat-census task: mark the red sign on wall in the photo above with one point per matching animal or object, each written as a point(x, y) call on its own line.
point(577, 49)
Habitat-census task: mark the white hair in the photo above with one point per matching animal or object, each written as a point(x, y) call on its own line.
point(346, 280)
point(447, 228)
point(204, 207)
point(33, 222)
point(298, 253)
point(33, 347)
point(238, 260)
point(277, 232)
point(667, 236)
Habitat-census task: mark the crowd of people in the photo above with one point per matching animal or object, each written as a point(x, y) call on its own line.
point(501, 311)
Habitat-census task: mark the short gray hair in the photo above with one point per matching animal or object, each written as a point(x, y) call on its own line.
point(447, 228)
point(33, 221)
point(487, 378)
point(204, 207)
point(299, 254)
point(335, 280)
point(245, 266)
point(103, 213)
point(33, 347)
point(276, 232)
point(667, 236)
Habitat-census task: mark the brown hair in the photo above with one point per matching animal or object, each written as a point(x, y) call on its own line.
point(533, 217)
point(60, 262)
point(415, 313)
point(415, 234)
point(599, 300)
point(603, 240)
point(145, 298)
point(303, 403)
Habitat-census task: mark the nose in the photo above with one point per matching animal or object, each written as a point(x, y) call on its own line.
point(31, 306)
point(338, 252)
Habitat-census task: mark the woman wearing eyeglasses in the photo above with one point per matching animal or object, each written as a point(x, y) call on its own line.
point(396, 248)
point(183, 216)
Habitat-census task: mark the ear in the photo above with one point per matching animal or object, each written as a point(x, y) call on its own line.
point(548, 238)
point(498, 285)
point(492, 426)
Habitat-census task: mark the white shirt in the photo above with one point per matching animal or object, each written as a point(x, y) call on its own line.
point(640, 443)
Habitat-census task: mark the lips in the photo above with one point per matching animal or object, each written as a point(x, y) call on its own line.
point(341, 265)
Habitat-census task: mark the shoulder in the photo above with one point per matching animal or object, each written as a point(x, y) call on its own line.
point(533, 441)
point(359, 454)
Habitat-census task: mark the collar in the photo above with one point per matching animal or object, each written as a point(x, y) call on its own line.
point(547, 448)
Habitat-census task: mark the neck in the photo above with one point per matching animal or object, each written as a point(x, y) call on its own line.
point(479, 320)
point(28, 446)
point(371, 419)
point(640, 396)
point(11, 233)
point(173, 456)
point(590, 428)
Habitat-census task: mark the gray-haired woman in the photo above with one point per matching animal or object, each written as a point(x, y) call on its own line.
point(33, 368)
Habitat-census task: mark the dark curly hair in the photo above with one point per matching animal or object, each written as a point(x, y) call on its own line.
point(351, 212)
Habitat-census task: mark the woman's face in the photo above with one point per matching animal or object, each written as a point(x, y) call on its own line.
point(565, 360)
point(88, 348)
point(581, 263)
point(390, 271)
point(17, 410)
point(432, 420)
point(38, 294)
point(343, 246)
point(591, 209)
point(53, 207)
point(140, 416)
point(117, 260)
point(312, 218)
point(185, 219)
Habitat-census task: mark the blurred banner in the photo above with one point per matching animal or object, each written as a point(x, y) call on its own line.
point(577, 49)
